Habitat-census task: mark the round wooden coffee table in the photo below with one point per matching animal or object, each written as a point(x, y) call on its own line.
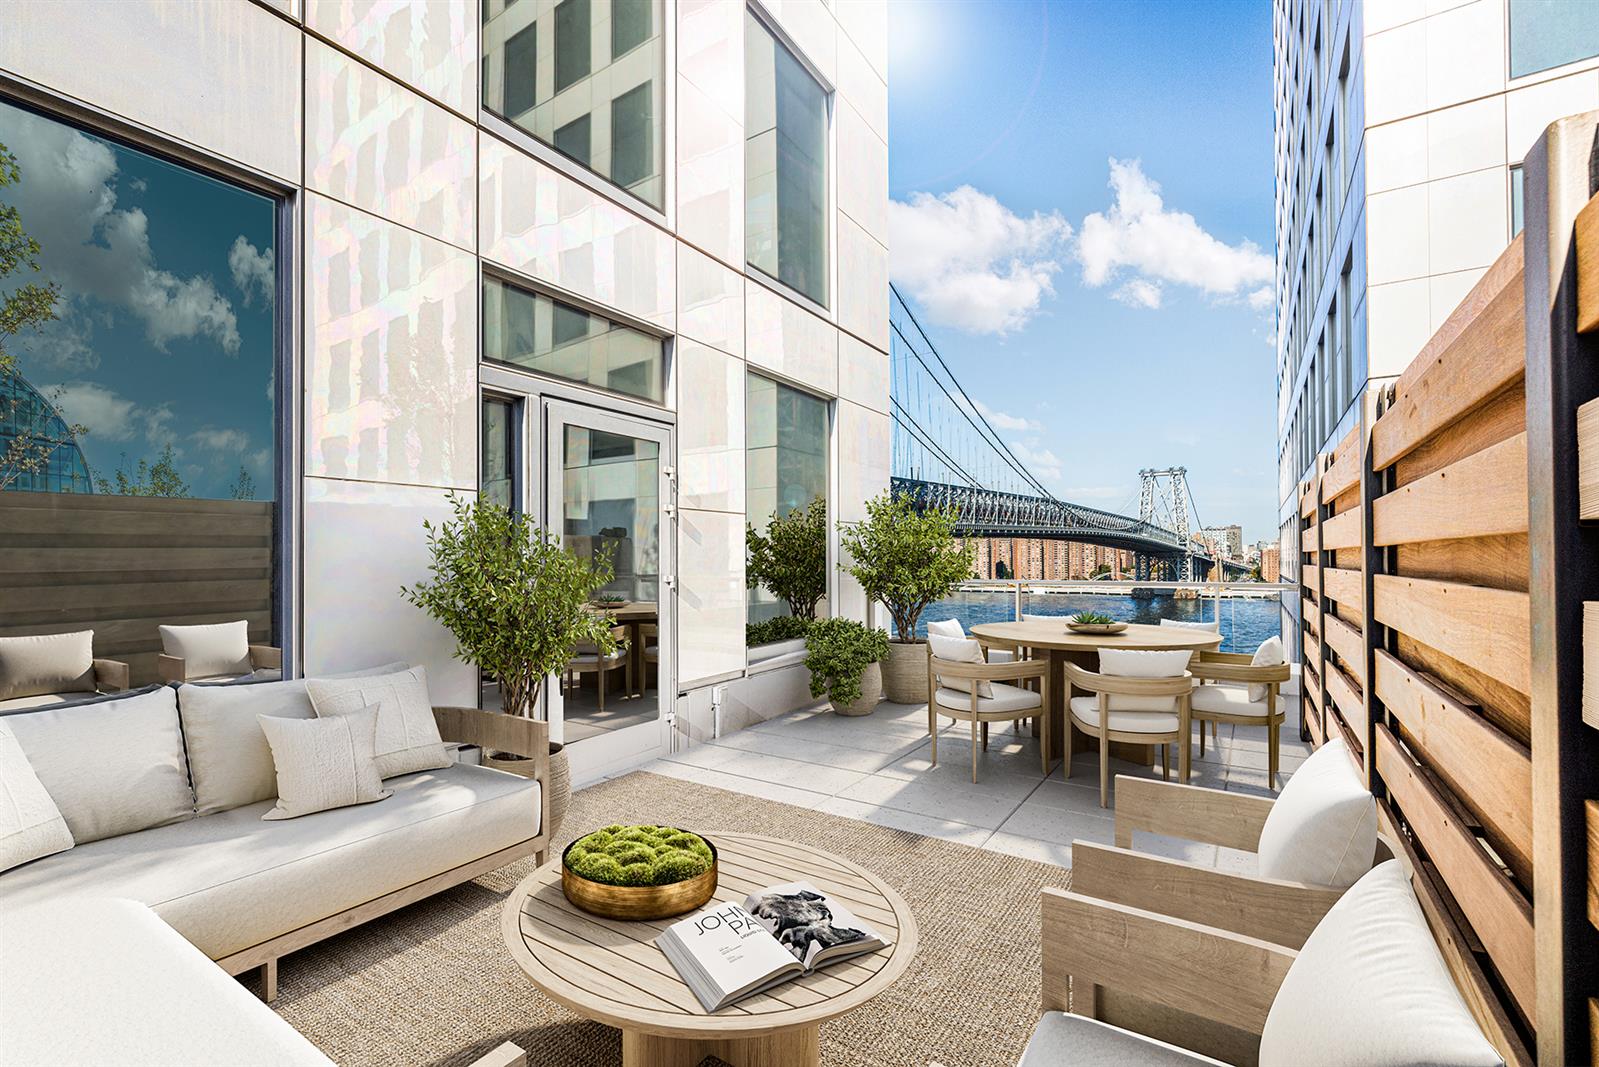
point(612, 972)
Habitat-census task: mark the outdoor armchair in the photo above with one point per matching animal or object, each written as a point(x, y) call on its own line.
point(1095, 716)
point(215, 652)
point(1260, 704)
point(42, 669)
point(980, 692)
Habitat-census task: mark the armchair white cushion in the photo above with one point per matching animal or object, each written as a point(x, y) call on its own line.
point(1062, 1040)
point(1003, 698)
point(1322, 829)
point(1132, 663)
point(1269, 654)
point(30, 823)
point(1370, 989)
point(1230, 700)
point(217, 650)
point(1086, 709)
point(958, 650)
point(946, 628)
point(42, 664)
point(1213, 626)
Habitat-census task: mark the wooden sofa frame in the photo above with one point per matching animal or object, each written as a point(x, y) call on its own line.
point(489, 729)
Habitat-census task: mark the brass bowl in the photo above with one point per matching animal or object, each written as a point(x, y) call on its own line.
point(638, 902)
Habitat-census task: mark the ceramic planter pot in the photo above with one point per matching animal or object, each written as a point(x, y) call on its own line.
point(871, 693)
point(905, 672)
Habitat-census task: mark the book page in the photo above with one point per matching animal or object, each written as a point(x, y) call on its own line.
point(810, 924)
point(730, 948)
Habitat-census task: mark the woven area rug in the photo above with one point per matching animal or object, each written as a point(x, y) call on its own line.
point(434, 984)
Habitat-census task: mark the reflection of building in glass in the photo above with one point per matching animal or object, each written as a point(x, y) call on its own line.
point(26, 414)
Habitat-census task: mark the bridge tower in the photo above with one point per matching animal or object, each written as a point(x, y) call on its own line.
point(1167, 490)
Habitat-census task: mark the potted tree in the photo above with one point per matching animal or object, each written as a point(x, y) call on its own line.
point(905, 559)
point(843, 657)
point(790, 561)
point(517, 602)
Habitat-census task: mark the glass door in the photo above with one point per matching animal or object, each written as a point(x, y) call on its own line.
point(608, 494)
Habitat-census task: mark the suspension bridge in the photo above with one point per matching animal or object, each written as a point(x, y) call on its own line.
point(948, 454)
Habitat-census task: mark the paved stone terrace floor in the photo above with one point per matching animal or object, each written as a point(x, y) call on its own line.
point(878, 768)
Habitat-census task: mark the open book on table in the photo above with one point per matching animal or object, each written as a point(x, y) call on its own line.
point(730, 951)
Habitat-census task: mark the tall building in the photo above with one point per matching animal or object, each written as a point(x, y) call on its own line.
point(1400, 131)
point(1228, 539)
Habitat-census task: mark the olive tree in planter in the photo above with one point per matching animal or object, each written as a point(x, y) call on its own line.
point(517, 602)
point(843, 656)
point(905, 559)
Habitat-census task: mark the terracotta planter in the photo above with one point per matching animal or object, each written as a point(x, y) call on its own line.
point(559, 785)
point(871, 693)
point(905, 672)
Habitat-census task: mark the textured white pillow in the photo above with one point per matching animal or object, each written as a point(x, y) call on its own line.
point(959, 650)
point(209, 651)
point(323, 763)
point(1269, 654)
point(1214, 626)
point(113, 767)
point(946, 628)
point(1137, 663)
point(30, 823)
point(408, 735)
point(1323, 827)
point(1369, 989)
point(229, 759)
point(46, 663)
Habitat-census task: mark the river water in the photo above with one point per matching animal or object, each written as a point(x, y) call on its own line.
point(1245, 622)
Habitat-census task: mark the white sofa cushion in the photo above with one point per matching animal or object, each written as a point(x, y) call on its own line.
point(946, 628)
point(229, 759)
point(46, 663)
point(230, 881)
point(215, 650)
point(1135, 663)
point(1213, 626)
point(408, 735)
point(1062, 1040)
point(1005, 698)
point(30, 823)
point(1322, 829)
point(1369, 989)
point(106, 981)
point(113, 767)
point(1269, 654)
point(959, 650)
point(1230, 700)
point(323, 763)
point(1086, 709)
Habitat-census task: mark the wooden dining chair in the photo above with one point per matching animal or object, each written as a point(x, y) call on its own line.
point(588, 660)
point(1007, 702)
point(1231, 704)
point(1093, 714)
point(649, 638)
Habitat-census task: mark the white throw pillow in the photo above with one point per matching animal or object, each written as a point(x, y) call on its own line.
point(1323, 827)
point(1044, 618)
point(959, 650)
point(113, 767)
point(1214, 626)
point(1269, 654)
point(408, 735)
point(46, 663)
point(323, 763)
point(30, 823)
point(1370, 989)
point(946, 628)
point(209, 651)
point(1137, 663)
point(229, 759)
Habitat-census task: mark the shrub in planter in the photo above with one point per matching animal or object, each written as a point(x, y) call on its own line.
point(838, 653)
point(905, 559)
point(790, 558)
point(781, 628)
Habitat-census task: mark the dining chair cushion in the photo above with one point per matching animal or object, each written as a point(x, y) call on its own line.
point(589, 659)
point(1005, 698)
point(1322, 829)
point(217, 650)
point(41, 664)
point(1134, 663)
point(1228, 700)
point(1269, 654)
point(1213, 626)
point(1061, 619)
point(1370, 988)
point(30, 823)
point(946, 628)
point(959, 650)
point(1086, 711)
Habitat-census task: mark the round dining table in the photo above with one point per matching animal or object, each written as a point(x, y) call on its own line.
point(1061, 645)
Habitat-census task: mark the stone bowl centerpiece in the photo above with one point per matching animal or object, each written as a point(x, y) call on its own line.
point(639, 872)
point(1091, 622)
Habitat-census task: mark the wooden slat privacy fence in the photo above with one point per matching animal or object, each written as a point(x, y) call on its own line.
point(124, 565)
point(1449, 610)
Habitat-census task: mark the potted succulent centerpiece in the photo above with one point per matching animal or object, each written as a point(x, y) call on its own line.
point(905, 559)
point(518, 604)
point(843, 657)
point(639, 872)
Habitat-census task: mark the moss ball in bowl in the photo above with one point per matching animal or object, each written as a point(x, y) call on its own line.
point(638, 872)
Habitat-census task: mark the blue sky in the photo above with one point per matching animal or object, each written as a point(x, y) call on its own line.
point(1114, 328)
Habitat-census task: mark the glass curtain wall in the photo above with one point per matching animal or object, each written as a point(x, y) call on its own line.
point(533, 331)
point(786, 451)
point(586, 78)
point(785, 165)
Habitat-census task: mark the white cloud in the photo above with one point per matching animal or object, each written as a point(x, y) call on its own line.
point(1140, 236)
point(214, 440)
point(1262, 299)
point(1044, 464)
point(106, 414)
point(92, 248)
point(1011, 423)
point(971, 262)
point(252, 269)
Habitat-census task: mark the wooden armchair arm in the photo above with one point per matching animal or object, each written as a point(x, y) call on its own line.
point(989, 672)
point(264, 657)
point(1212, 816)
point(1125, 686)
point(1239, 672)
point(1217, 974)
point(110, 676)
point(1283, 913)
point(171, 668)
